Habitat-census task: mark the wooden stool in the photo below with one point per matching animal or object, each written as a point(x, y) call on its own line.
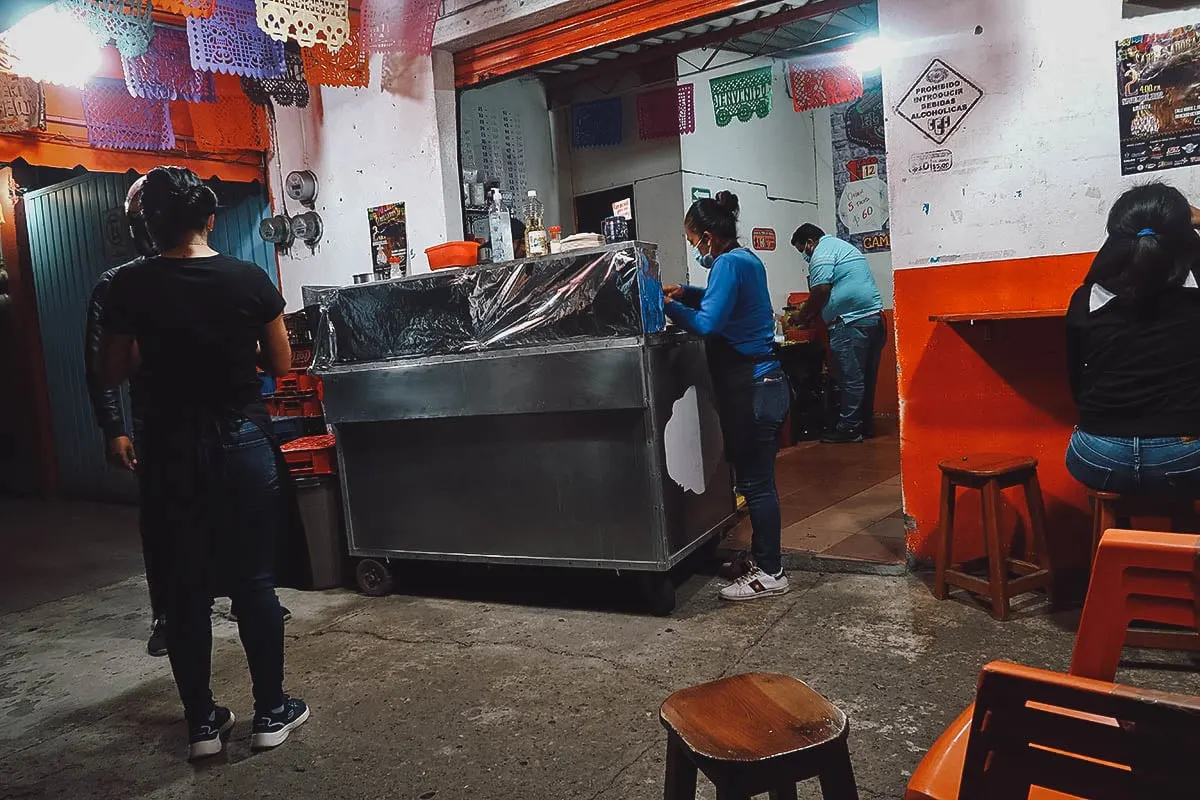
point(756, 733)
point(1111, 510)
point(989, 473)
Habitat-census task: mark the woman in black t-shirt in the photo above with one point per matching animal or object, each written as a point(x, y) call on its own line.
point(210, 474)
point(1133, 345)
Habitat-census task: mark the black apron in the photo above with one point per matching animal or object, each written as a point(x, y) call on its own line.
point(733, 384)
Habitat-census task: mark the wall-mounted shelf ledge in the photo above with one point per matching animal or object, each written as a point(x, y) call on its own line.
point(994, 316)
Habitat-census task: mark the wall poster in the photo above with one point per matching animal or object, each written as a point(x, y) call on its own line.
point(389, 240)
point(1158, 83)
point(939, 101)
point(860, 170)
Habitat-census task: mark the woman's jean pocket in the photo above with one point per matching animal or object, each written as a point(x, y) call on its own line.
point(1099, 468)
point(1162, 465)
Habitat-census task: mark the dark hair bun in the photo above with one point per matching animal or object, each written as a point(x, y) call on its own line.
point(203, 200)
point(175, 204)
point(728, 201)
point(714, 215)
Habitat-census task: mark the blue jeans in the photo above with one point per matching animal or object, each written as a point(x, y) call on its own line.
point(241, 510)
point(1159, 466)
point(857, 348)
point(753, 461)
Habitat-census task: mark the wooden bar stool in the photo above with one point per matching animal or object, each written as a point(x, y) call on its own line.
point(988, 473)
point(1111, 510)
point(753, 734)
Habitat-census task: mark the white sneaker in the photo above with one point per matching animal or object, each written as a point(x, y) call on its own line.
point(755, 584)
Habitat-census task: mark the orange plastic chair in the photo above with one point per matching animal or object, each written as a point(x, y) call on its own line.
point(1043, 735)
point(1141, 575)
point(1144, 576)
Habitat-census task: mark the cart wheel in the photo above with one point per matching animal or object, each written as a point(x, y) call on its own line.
point(374, 578)
point(658, 592)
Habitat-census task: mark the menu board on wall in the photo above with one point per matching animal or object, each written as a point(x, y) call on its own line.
point(1158, 87)
point(860, 170)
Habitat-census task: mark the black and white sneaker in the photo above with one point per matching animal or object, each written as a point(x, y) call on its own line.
point(755, 584)
point(207, 738)
point(271, 729)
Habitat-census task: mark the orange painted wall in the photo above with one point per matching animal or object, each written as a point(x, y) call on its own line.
point(992, 386)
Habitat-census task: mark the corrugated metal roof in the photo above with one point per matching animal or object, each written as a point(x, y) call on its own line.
point(751, 33)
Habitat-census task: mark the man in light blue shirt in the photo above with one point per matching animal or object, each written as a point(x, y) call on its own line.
point(844, 293)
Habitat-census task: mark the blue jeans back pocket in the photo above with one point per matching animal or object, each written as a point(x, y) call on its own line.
point(1087, 471)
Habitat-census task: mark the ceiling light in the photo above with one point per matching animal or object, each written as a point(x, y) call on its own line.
point(869, 55)
point(54, 46)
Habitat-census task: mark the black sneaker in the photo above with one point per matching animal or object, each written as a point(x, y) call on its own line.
point(157, 646)
point(271, 729)
point(207, 738)
point(841, 437)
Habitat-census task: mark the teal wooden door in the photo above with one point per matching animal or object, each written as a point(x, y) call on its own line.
point(77, 230)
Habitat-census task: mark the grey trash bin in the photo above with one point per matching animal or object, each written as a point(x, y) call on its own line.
point(321, 510)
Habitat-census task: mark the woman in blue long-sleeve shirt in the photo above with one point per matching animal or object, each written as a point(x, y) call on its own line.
point(734, 314)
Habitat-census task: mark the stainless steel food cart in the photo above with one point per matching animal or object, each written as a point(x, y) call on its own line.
point(536, 412)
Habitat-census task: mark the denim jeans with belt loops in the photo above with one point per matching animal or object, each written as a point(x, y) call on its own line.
point(1168, 466)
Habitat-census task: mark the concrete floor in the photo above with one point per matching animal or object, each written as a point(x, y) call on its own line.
point(482, 683)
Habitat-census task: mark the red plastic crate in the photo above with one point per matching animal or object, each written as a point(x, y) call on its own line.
point(311, 455)
point(297, 382)
point(302, 356)
point(306, 404)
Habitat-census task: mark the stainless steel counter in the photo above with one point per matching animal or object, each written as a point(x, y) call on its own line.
point(574, 453)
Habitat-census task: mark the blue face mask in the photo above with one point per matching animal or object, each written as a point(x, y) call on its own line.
point(704, 260)
point(807, 256)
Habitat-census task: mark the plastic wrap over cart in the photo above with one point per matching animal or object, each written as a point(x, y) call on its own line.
point(536, 412)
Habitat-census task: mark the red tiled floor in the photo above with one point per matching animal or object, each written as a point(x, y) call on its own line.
point(865, 547)
point(840, 500)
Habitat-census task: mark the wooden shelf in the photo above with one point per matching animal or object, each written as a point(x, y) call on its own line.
point(995, 316)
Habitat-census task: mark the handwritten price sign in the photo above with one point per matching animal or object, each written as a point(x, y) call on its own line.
point(863, 207)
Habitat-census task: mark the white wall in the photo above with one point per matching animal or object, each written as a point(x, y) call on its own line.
point(1037, 162)
point(651, 167)
point(660, 221)
point(778, 167)
point(369, 147)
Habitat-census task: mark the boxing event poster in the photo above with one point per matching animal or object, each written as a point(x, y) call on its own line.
point(1158, 86)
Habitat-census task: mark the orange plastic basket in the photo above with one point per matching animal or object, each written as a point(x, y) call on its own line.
point(453, 254)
